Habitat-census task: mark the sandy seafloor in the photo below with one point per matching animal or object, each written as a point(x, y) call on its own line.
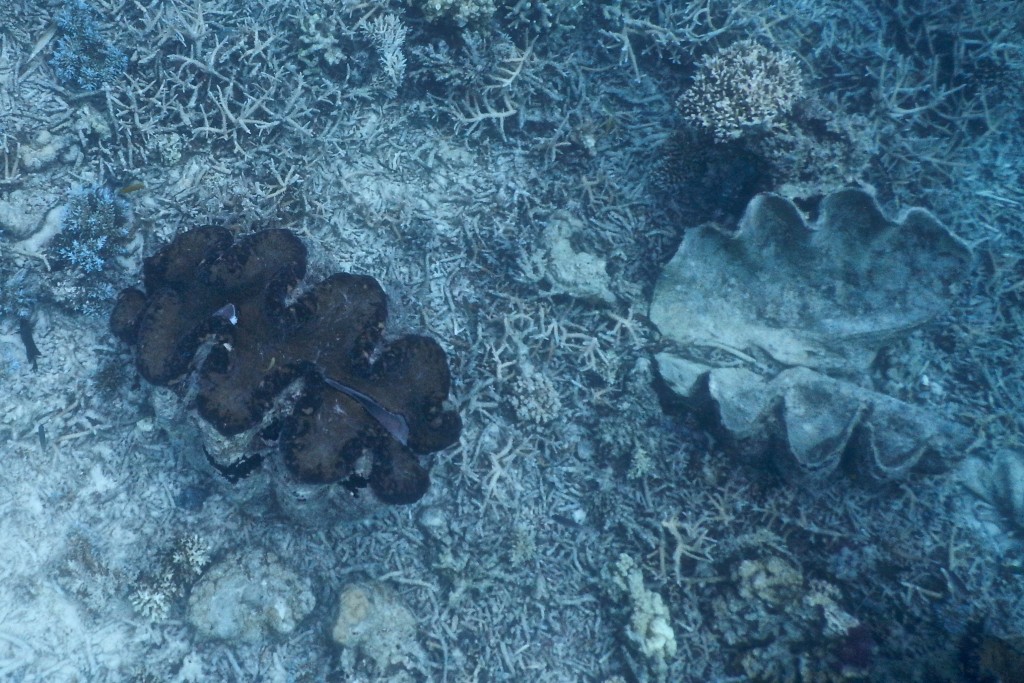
point(584, 528)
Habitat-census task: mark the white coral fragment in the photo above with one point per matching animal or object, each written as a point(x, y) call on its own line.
point(570, 271)
point(650, 624)
point(152, 602)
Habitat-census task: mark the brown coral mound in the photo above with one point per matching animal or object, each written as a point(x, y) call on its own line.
point(219, 317)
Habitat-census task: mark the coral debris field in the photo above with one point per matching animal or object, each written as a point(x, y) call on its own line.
point(514, 178)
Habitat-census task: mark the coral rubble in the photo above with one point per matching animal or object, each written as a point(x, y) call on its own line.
point(249, 596)
point(374, 624)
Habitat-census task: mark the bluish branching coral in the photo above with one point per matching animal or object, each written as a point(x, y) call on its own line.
point(95, 228)
point(95, 231)
point(83, 58)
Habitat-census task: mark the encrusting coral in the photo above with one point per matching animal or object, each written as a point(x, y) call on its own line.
point(219, 323)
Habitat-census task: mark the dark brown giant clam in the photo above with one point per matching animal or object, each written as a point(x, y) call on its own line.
point(230, 326)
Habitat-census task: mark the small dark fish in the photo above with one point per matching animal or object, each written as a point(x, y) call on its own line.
point(395, 424)
point(133, 186)
point(41, 433)
point(31, 350)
